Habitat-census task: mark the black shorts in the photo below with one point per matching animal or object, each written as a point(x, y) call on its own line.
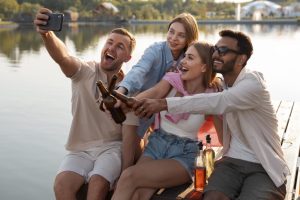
point(239, 179)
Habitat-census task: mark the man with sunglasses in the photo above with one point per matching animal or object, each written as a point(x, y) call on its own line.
point(252, 166)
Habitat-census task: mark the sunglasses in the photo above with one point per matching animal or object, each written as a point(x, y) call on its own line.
point(222, 51)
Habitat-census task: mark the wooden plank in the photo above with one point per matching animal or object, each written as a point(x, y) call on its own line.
point(297, 192)
point(276, 104)
point(290, 146)
point(283, 115)
point(173, 193)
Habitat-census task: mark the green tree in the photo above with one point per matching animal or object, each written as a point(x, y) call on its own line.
point(59, 5)
point(8, 8)
point(126, 12)
point(29, 8)
point(148, 12)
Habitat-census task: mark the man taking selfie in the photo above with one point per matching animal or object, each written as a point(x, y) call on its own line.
point(94, 142)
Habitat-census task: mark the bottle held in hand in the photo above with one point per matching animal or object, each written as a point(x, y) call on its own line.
point(129, 101)
point(109, 102)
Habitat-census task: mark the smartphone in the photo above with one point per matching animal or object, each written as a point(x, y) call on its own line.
point(54, 22)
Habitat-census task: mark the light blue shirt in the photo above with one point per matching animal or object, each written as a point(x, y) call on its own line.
point(148, 71)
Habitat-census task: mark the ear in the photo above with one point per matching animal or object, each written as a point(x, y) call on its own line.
point(128, 58)
point(242, 59)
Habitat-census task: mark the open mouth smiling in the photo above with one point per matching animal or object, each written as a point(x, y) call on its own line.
point(109, 57)
point(183, 69)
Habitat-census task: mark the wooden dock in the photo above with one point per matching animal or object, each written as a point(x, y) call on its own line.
point(288, 114)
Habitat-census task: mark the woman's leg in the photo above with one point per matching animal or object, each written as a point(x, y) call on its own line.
point(143, 193)
point(149, 173)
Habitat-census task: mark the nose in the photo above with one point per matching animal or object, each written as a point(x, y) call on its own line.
point(182, 62)
point(215, 53)
point(112, 47)
point(174, 37)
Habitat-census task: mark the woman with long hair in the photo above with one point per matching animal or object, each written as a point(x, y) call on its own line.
point(168, 159)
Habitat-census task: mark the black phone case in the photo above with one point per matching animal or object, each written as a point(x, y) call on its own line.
point(54, 23)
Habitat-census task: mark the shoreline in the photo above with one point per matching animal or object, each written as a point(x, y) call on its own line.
point(295, 21)
point(225, 21)
point(8, 24)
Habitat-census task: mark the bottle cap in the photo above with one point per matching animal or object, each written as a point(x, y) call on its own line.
point(200, 145)
point(208, 138)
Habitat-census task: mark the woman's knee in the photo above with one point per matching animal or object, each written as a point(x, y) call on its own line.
point(128, 176)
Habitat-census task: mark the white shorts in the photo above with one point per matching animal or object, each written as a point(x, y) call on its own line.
point(104, 161)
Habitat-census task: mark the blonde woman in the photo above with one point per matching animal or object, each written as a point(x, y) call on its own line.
point(159, 58)
point(168, 159)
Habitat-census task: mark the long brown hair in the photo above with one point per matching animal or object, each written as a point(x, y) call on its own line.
point(205, 51)
point(190, 25)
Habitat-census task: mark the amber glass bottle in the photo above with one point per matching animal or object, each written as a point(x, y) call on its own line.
point(200, 171)
point(109, 101)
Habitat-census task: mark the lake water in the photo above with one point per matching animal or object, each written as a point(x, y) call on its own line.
point(35, 99)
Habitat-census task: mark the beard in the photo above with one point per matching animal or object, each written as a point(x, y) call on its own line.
point(226, 68)
point(111, 66)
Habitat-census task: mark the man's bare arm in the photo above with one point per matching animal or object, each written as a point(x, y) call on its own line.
point(56, 48)
point(131, 149)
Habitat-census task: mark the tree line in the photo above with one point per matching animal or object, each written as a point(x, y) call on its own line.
point(144, 10)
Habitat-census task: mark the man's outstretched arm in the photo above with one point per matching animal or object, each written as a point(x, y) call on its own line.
point(55, 47)
point(147, 107)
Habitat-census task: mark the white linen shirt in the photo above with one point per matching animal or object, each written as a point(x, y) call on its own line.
point(247, 108)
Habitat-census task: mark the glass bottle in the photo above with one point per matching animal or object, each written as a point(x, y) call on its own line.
point(200, 171)
point(109, 101)
point(209, 157)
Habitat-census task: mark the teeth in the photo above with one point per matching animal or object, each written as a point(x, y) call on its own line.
point(110, 56)
point(184, 69)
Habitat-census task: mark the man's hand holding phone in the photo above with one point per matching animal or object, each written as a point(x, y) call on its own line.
point(46, 21)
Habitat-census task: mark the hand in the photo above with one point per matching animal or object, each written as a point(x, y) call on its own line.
point(41, 19)
point(122, 100)
point(217, 84)
point(147, 107)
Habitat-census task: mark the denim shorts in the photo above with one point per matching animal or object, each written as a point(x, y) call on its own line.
point(163, 145)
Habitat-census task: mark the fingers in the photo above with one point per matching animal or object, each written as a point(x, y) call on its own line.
point(137, 104)
point(118, 104)
point(41, 18)
point(142, 109)
point(141, 112)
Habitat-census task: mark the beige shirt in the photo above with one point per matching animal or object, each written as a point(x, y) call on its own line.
point(249, 115)
point(90, 126)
